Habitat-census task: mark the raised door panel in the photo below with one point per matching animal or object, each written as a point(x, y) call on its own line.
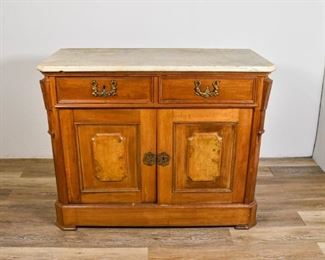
point(208, 152)
point(106, 166)
point(108, 157)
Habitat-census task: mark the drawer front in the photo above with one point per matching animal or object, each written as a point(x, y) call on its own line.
point(104, 89)
point(206, 90)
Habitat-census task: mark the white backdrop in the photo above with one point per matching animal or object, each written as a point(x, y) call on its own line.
point(288, 33)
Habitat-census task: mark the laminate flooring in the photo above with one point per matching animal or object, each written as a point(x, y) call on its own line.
point(290, 194)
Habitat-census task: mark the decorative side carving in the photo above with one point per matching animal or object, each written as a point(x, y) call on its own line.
point(265, 99)
point(204, 156)
point(110, 157)
point(46, 95)
point(45, 87)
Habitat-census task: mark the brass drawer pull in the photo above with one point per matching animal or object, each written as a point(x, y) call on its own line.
point(163, 159)
point(207, 93)
point(104, 93)
point(149, 159)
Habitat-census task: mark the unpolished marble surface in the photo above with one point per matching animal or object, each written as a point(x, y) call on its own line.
point(210, 60)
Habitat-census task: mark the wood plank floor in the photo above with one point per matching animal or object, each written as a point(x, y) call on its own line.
point(291, 221)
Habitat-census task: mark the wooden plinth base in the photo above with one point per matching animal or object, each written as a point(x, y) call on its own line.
point(71, 216)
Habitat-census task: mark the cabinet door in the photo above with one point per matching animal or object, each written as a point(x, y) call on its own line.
point(103, 151)
point(208, 151)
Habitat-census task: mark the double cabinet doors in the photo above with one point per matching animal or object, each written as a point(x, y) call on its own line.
point(165, 156)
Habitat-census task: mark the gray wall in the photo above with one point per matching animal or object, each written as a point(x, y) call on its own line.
point(289, 33)
point(319, 152)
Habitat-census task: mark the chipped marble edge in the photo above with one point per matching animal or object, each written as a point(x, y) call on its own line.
point(45, 68)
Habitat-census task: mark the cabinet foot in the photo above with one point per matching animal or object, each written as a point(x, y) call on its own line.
point(252, 219)
point(66, 228)
point(60, 221)
point(244, 227)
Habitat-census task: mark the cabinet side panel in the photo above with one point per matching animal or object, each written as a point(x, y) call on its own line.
point(264, 86)
point(49, 96)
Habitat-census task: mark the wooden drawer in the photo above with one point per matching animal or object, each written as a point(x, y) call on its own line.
point(206, 89)
point(104, 89)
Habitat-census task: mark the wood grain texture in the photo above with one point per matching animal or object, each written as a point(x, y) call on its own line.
point(157, 113)
point(287, 162)
point(180, 124)
point(138, 129)
point(322, 246)
point(145, 215)
point(204, 156)
point(313, 217)
point(280, 233)
point(185, 131)
point(73, 253)
point(115, 155)
point(231, 90)
point(110, 157)
point(129, 89)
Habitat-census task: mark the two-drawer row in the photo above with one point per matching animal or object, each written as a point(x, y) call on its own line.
point(164, 89)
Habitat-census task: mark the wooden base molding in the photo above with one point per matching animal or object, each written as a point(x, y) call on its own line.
point(71, 216)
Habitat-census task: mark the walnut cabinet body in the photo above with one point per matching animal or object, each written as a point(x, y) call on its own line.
point(156, 148)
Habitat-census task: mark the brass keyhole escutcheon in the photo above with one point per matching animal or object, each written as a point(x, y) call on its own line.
point(149, 159)
point(163, 159)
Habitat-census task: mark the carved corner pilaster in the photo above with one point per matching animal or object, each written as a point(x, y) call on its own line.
point(267, 90)
point(267, 85)
point(45, 87)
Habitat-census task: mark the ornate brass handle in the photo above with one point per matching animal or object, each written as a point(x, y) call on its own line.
point(163, 159)
point(207, 93)
point(149, 159)
point(104, 93)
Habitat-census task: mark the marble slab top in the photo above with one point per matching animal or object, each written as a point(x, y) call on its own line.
point(150, 59)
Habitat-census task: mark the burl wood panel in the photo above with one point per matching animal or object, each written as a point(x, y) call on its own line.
point(204, 156)
point(129, 89)
point(209, 175)
point(110, 156)
point(181, 89)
